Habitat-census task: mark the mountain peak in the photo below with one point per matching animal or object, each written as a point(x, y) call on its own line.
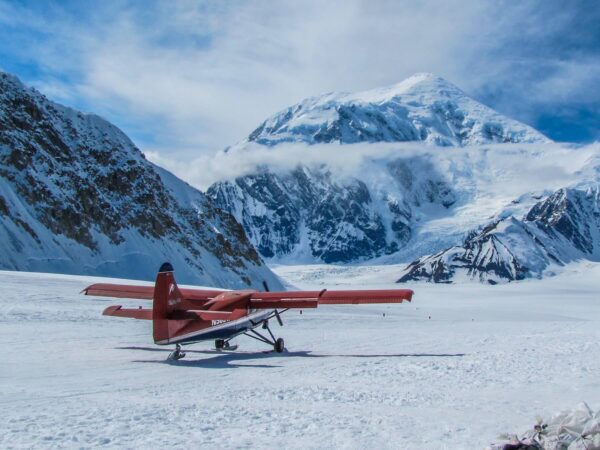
point(423, 107)
point(422, 83)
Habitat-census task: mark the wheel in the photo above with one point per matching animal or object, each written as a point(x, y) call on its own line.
point(219, 344)
point(279, 345)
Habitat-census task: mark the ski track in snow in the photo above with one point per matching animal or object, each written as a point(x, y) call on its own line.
point(488, 361)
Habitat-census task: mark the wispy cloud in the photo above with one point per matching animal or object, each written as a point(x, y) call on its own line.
point(362, 159)
point(189, 78)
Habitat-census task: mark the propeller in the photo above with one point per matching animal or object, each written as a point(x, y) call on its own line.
point(277, 316)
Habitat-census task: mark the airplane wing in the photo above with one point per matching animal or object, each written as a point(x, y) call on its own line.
point(257, 300)
point(312, 299)
point(365, 296)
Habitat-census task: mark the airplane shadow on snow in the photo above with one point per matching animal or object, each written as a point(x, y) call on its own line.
point(223, 360)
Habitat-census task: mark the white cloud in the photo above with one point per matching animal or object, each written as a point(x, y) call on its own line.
point(197, 77)
point(357, 160)
point(205, 76)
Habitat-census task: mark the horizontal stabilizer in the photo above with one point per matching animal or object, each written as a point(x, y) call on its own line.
point(137, 313)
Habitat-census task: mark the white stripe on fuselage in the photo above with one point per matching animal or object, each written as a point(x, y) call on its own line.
point(258, 317)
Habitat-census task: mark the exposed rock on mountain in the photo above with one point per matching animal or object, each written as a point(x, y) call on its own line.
point(77, 196)
point(560, 229)
point(309, 214)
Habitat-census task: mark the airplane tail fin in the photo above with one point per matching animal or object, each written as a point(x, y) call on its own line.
point(167, 298)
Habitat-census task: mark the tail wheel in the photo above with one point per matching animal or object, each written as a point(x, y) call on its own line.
point(219, 344)
point(279, 345)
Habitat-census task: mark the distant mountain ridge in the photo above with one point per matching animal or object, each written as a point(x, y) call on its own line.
point(560, 229)
point(423, 107)
point(77, 196)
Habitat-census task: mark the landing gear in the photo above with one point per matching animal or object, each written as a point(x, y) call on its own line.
point(222, 344)
point(176, 354)
point(278, 344)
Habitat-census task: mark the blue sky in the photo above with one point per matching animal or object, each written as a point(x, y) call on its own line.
point(188, 78)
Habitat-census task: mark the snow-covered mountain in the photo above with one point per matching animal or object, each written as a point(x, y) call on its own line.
point(311, 213)
point(77, 196)
point(423, 107)
point(560, 229)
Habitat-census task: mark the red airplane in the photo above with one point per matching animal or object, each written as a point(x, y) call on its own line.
point(186, 316)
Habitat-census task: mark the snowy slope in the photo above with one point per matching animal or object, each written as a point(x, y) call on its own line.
point(77, 196)
point(489, 360)
point(423, 107)
point(563, 228)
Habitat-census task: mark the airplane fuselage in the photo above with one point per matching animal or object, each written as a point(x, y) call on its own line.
point(221, 329)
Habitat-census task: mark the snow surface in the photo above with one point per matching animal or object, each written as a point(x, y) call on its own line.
point(453, 369)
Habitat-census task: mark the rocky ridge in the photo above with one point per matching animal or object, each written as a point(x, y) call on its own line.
point(560, 229)
point(77, 196)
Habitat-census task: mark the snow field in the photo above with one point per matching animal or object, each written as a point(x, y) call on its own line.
point(455, 368)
